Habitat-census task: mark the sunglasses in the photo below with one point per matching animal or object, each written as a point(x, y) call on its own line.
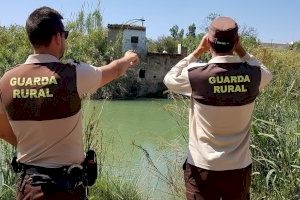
point(66, 34)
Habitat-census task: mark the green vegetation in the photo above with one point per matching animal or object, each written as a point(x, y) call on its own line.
point(275, 129)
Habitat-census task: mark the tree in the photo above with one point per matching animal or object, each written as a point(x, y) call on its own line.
point(248, 37)
point(181, 33)
point(295, 46)
point(163, 44)
point(191, 30)
point(14, 46)
point(175, 33)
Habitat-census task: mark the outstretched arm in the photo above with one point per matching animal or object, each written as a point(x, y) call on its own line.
point(117, 68)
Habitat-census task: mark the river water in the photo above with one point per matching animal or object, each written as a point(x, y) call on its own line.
point(133, 131)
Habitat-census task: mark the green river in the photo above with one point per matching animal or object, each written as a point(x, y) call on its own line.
point(126, 124)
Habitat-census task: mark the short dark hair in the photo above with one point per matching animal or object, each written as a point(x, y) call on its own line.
point(223, 34)
point(220, 47)
point(42, 24)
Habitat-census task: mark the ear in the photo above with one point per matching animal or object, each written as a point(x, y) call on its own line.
point(56, 39)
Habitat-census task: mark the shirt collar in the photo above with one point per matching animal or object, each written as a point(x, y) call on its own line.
point(226, 59)
point(41, 58)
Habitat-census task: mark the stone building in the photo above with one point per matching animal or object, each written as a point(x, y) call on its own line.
point(150, 73)
point(132, 37)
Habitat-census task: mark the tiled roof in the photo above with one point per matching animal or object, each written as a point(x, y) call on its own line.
point(126, 26)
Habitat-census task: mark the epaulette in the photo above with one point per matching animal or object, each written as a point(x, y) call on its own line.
point(73, 62)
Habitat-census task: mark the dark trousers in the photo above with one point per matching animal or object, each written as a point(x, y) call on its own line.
point(202, 184)
point(28, 191)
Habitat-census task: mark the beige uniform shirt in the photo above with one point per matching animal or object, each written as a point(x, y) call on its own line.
point(218, 135)
point(58, 142)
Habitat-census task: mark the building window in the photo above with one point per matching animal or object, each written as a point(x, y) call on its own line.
point(142, 73)
point(135, 39)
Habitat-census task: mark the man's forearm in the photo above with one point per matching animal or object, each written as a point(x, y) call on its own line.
point(198, 52)
point(113, 70)
point(118, 67)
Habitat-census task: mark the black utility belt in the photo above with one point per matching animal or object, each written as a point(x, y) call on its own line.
point(86, 172)
point(77, 170)
point(67, 179)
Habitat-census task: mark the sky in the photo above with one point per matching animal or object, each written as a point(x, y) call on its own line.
point(275, 21)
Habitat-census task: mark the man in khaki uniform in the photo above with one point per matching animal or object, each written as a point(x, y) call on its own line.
point(40, 110)
point(222, 95)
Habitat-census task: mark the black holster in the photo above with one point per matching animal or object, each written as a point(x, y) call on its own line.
point(91, 169)
point(15, 165)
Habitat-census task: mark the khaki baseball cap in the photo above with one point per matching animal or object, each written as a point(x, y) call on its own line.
point(223, 31)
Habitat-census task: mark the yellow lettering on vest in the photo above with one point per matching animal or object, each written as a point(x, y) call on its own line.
point(33, 93)
point(28, 82)
point(233, 79)
point(47, 91)
point(247, 79)
point(16, 94)
point(37, 81)
point(243, 88)
point(240, 79)
point(41, 93)
point(52, 80)
point(45, 81)
point(231, 88)
point(219, 79)
point(238, 88)
point(13, 81)
point(21, 81)
point(24, 93)
point(223, 89)
point(212, 80)
point(217, 89)
point(226, 79)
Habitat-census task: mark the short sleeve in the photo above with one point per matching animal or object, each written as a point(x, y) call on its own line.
point(88, 78)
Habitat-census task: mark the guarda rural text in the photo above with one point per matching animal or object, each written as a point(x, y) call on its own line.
point(226, 87)
point(32, 81)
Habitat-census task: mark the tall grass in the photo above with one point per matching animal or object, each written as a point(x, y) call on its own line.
point(7, 176)
point(276, 128)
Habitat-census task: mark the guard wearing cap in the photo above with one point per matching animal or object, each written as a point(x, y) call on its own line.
point(222, 94)
point(40, 112)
